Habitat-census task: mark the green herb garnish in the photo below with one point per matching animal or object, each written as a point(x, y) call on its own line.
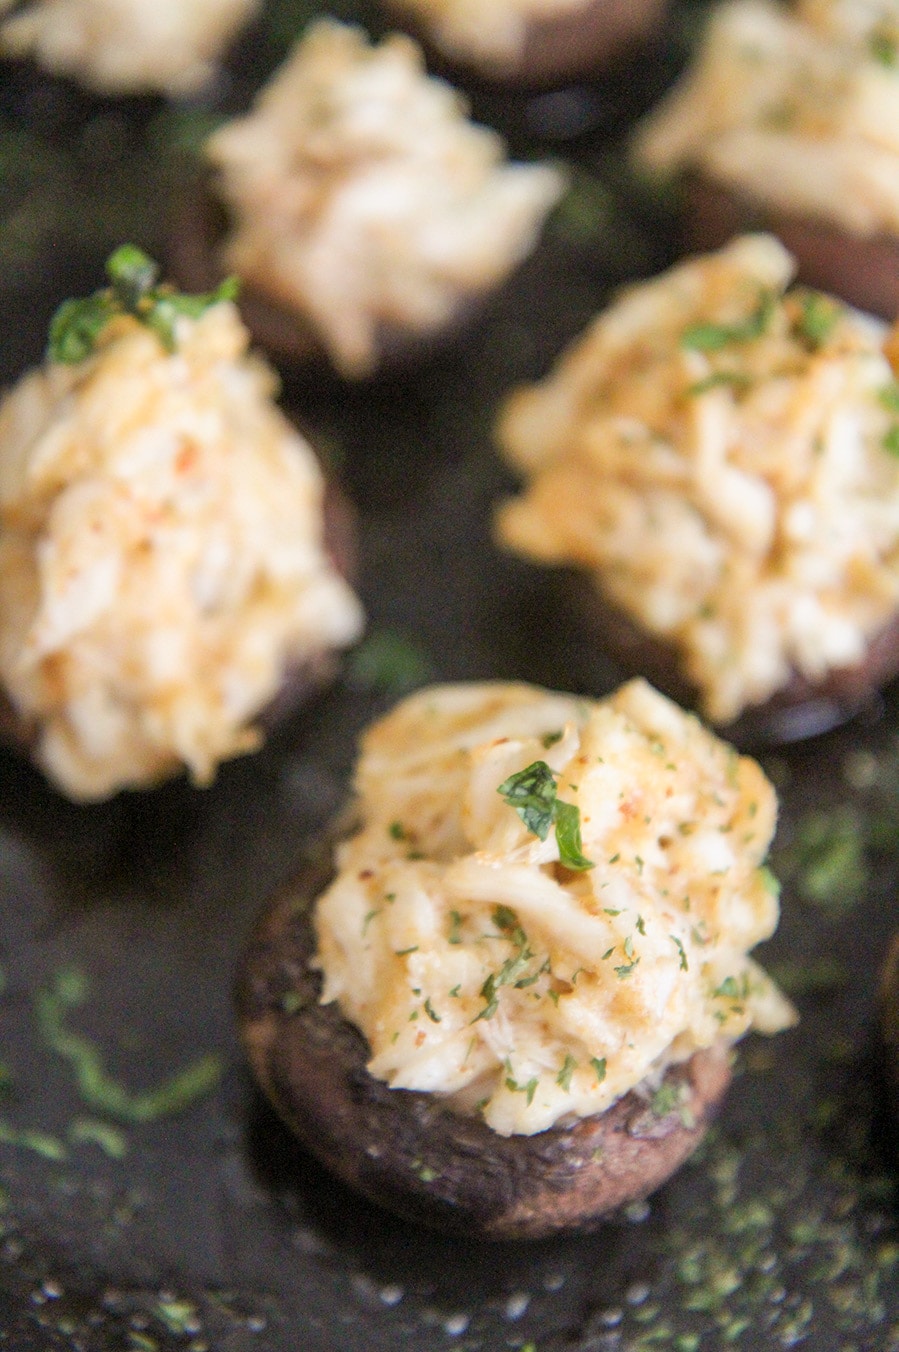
point(528, 1089)
point(818, 316)
point(532, 793)
point(563, 1079)
point(883, 48)
point(98, 1089)
point(737, 380)
point(390, 661)
point(684, 966)
point(599, 1065)
point(707, 337)
point(133, 289)
point(891, 440)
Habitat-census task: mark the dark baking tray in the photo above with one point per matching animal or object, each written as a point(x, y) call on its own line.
point(214, 1230)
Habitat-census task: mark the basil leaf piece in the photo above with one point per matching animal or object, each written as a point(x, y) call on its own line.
point(708, 337)
point(76, 326)
point(132, 273)
point(532, 793)
point(568, 835)
point(818, 317)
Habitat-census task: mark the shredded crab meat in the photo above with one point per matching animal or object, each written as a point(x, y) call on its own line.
point(481, 967)
point(362, 197)
point(127, 46)
point(799, 109)
point(162, 567)
point(719, 453)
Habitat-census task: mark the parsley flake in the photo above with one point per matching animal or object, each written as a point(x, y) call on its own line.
point(563, 1079)
point(77, 325)
point(708, 337)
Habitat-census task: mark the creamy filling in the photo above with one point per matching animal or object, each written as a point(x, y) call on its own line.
point(482, 963)
point(362, 196)
point(162, 566)
point(797, 109)
point(126, 46)
point(722, 456)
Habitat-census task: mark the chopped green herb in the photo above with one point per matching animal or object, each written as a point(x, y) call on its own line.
point(292, 1002)
point(455, 934)
point(488, 993)
point(532, 793)
point(820, 977)
point(666, 1099)
point(397, 831)
point(883, 48)
point(98, 1089)
point(889, 396)
point(550, 738)
point(50, 1147)
point(179, 1316)
point(737, 380)
point(77, 325)
point(629, 947)
point(623, 971)
point(608, 953)
point(827, 858)
point(402, 952)
point(455, 992)
point(390, 661)
point(818, 316)
point(91, 1131)
point(641, 927)
point(706, 337)
point(599, 1065)
point(431, 1012)
point(732, 989)
point(568, 836)
point(528, 1089)
point(369, 918)
point(563, 1078)
point(684, 965)
point(504, 918)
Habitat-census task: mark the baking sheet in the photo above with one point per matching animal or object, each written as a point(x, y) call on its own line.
point(210, 1228)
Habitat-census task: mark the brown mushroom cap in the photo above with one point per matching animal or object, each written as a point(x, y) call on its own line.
point(577, 42)
point(889, 1018)
point(410, 1151)
point(863, 271)
point(798, 710)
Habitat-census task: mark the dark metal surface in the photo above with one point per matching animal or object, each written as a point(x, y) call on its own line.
point(213, 1230)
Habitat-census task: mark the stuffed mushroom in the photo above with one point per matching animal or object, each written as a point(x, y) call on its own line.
point(788, 121)
point(363, 211)
point(164, 571)
point(510, 1007)
point(718, 458)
